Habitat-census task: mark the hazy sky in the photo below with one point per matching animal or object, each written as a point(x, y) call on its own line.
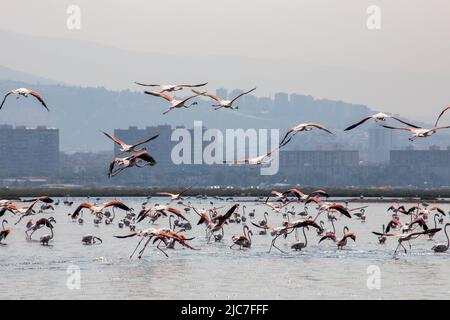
point(414, 35)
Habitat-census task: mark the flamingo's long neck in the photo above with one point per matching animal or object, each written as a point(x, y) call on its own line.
point(446, 235)
point(306, 238)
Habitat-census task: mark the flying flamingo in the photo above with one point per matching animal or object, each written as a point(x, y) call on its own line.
point(24, 211)
point(139, 160)
point(440, 115)
point(260, 160)
point(329, 206)
point(160, 234)
point(159, 210)
point(212, 226)
point(402, 237)
point(43, 222)
point(174, 103)
point(279, 196)
point(304, 197)
point(97, 209)
point(146, 233)
point(131, 148)
point(25, 92)
point(174, 196)
point(172, 87)
point(303, 127)
point(276, 232)
point(228, 104)
point(418, 132)
point(379, 117)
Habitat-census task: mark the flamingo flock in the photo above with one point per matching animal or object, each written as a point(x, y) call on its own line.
point(404, 225)
point(171, 225)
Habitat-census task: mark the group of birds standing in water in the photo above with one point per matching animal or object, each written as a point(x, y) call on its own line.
point(404, 224)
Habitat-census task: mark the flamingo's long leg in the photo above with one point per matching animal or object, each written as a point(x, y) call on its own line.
point(136, 247)
point(162, 250)
point(145, 246)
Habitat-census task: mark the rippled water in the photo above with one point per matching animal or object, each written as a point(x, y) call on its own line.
point(30, 270)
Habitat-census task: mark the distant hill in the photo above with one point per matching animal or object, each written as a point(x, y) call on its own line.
point(84, 63)
point(14, 75)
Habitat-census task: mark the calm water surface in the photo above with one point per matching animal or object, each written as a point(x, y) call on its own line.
point(30, 270)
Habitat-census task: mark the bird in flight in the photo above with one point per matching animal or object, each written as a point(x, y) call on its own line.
point(440, 115)
point(139, 159)
point(419, 132)
point(174, 196)
point(174, 103)
point(172, 87)
point(129, 147)
point(378, 117)
point(25, 92)
point(303, 127)
point(260, 160)
point(221, 102)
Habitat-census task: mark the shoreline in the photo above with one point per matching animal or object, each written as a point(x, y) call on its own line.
point(349, 194)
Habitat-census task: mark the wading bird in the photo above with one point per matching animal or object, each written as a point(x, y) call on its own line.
point(131, 148)
point(228, 104)
point(382, 237)
point(4, 232)
point(379, 117)
point(418, 132)
point(243, 241)
point(216, 225)
point(140, 159)
point(442, 247)
point(341, 242)
point(172, 87)
point(25, 92)
point(303, 127)
point(89, 239)
point(298, 245)
point(174, 103)
point(45, 239)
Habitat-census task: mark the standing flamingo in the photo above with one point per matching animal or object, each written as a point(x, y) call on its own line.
point(4, 232)
point(441, 247)
point(243, 240)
